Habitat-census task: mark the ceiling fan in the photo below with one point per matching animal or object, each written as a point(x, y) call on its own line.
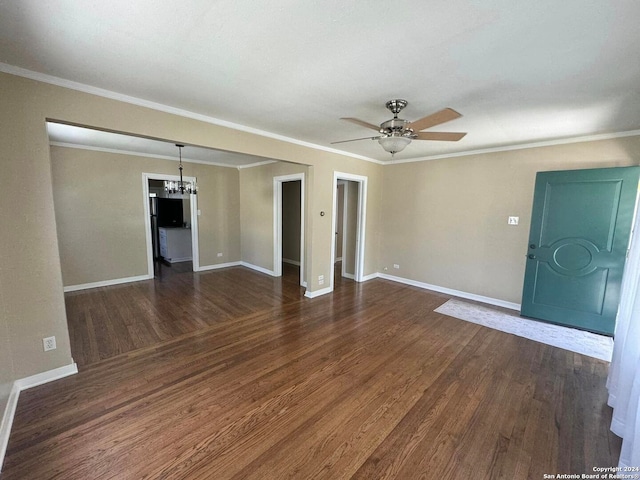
point(396, 134)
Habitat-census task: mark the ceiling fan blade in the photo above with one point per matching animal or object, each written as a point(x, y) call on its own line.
point(362, 123)
point(355, 140)
point(440, 136)
point(434, 119)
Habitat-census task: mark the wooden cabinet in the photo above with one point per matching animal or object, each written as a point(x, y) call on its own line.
point(175, 244)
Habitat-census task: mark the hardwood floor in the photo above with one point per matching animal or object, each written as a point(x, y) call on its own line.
point(105, 322)
point(256, 381)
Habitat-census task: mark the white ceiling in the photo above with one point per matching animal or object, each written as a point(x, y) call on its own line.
point(519, 71)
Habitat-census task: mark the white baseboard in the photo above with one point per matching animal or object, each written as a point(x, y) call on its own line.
point(258, 269)
point(371, 276)
point(20, 385)
point(179, 260)
point(350, 276)
point(218, 265)
point(7, 422)
point(46, 377)
point(450, 291)
point(106, 283)
point(291, 262)
point(339, 259)
point(317, 293)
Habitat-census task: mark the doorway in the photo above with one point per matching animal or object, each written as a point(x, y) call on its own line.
point(172, 230)
point(349, 221)
point(289, 224)
point(346, 228)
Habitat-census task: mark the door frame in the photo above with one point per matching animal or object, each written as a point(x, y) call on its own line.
point(195, 250)
point(345, 194)
point(277, 223)
point(361, 221)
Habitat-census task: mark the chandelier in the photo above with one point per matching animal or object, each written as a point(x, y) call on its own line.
point(182, 187)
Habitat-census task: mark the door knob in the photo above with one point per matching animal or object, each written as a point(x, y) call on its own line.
point(532, 246)
point(531, 256)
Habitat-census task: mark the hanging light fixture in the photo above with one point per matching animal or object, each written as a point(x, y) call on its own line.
point(182, 187)
point(394, 143)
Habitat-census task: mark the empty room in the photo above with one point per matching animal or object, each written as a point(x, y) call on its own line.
point(242, 242)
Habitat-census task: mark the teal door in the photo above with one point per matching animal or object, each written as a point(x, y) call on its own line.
point(580, 227)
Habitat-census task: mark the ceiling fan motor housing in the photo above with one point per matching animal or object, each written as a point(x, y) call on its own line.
point(396, 105)
point(396, 127)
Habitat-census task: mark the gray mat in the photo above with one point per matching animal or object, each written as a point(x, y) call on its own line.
point(586, 343)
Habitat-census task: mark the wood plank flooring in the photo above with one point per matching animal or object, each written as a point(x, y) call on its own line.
point(105, 322)
point(257, 382)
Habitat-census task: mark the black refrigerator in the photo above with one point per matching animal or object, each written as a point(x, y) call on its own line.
point(165, 212)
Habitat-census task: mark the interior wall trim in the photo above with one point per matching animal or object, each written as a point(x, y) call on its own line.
point(180, 260)
point(106, 283)
point(291, 262)
point(317, 293)
point(23, 384)
point(101, 92)
point(361, 224)
point(61, 82)
point(450, 291)
point(258, 269)
point(218, 266)
point(524, 146)
point(7, 422)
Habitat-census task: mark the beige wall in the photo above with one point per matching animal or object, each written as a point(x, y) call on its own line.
point(256, 210)
point(445, 221)
point(31, 278)
point(100, 213)
point(291, 221)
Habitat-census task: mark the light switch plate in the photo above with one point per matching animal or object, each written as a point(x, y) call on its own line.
point(513, 220)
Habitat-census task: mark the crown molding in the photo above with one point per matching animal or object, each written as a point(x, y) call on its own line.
point(522, 146)
point(61, 82)
point(81, 87)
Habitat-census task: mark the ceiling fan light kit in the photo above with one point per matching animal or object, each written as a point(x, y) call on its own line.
point(397, 133)
point(394, 144)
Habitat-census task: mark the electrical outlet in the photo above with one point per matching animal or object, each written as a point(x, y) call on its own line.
point(395, 265)
point(49, 343)
point(320, 279)
point(219, 254)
